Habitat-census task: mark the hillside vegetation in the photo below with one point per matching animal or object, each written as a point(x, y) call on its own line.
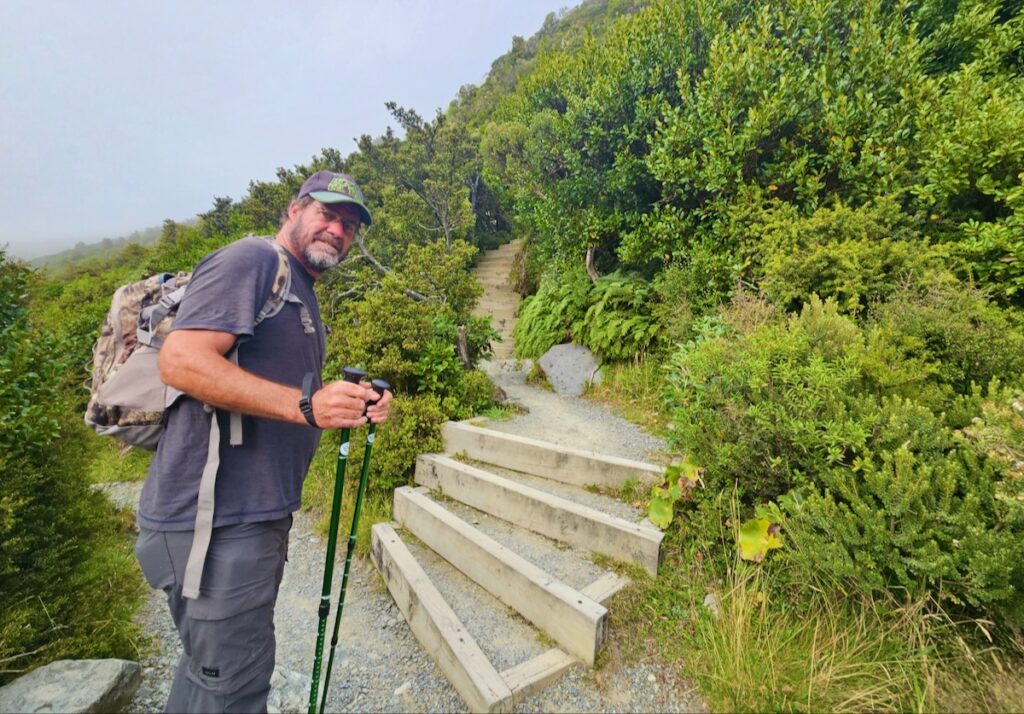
point(793, 233)
point(799, 226)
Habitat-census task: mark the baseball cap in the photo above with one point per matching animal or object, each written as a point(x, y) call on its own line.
point(329, 187)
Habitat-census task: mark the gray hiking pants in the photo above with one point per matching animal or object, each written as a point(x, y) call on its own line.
point(228, 631)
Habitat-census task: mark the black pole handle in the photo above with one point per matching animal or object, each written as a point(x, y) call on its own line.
point(379, 386)
point(353, 375)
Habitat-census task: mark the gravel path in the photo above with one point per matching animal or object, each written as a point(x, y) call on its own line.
point(379, 665)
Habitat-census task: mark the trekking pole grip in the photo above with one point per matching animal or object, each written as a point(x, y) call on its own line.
point(353, 375)
point(379, 386)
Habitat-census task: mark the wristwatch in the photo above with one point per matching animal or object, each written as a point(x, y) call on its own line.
point(306, 402)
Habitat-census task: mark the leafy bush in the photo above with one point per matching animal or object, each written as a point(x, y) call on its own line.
point(916, 510)
point(546, 319)
point(68, 585)
point(413, 428)
point(614, 317)
point(879, 488)
point(970, 340)
point(618, 324)
point(859, 256)
point(771, 409)
point(407, 340)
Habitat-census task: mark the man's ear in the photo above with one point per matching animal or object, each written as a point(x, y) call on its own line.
point(293, 209)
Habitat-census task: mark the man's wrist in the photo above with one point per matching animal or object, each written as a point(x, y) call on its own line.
point(306, 401)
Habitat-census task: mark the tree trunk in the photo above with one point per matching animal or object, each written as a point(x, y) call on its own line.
point(462, 347)
point(591, 270)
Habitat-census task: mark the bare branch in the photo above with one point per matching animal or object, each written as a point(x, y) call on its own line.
point(385, 270)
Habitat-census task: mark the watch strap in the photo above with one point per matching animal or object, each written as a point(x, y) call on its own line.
point(306, 402)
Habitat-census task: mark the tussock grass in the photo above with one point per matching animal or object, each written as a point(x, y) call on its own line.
point(837, 654)
point(111, 462)
point(633, 390)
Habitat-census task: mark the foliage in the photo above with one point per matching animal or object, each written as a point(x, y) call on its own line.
point(62, 573)
point(614, 317)
point(546, 318)
point(857, 256)
point(881, 490)
point(966, 338)
point(680, 480)
point(413, 427)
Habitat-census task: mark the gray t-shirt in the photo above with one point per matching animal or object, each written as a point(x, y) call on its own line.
point(260, 480)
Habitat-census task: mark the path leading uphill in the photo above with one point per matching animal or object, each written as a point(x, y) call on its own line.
point(380, 665)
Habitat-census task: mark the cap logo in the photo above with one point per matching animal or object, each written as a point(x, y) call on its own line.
point(346, 187)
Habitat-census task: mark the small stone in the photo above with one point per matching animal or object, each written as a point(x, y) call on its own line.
point(651, 678)
point(711, 603)
point(403, 689)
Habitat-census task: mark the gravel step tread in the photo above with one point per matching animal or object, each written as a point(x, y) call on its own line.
point(598, 501)
point(504, 636)
point(569, 565)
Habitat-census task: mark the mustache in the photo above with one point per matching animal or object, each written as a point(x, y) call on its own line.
point(338, 245)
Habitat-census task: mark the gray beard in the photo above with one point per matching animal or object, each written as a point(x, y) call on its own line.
point(320, 260)
point(317, 259)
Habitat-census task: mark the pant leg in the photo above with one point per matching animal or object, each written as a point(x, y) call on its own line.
point(228, 632)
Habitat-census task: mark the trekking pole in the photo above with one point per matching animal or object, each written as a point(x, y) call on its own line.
point(379, 385)
point(355, 376)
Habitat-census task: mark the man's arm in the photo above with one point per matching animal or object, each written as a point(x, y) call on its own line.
point(194, 362)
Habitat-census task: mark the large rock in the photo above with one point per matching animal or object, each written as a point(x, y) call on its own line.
point(84, 685)
point(569, 368)
point(289, 692)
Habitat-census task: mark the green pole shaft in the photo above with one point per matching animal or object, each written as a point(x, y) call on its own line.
point(354, 376)
point(363, 478)
point(325, 592)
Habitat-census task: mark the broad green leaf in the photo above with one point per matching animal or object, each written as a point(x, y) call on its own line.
point(660, 512)
point(757, 537)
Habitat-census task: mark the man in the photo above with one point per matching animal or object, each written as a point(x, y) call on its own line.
point(226, 618)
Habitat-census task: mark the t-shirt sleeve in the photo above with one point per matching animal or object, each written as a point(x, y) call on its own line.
point(228, 288)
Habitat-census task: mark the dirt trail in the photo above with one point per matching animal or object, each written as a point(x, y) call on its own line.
point(499, 299)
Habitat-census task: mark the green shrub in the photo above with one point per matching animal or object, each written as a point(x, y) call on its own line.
point(858, 256)
point(473, 394)
point(770, 410)
point(618, 324)
point(68, 584)
point(970, 340)
point(917, 511)
point(822, 416)
point(546, 319)
point(413, 428)
point(615, 317)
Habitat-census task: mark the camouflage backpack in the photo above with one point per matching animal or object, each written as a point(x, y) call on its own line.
point(127, 399)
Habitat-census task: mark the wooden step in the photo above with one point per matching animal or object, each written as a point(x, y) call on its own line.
point(555, 517)
point(436, 627)
point(573, 620)
point(559, 463)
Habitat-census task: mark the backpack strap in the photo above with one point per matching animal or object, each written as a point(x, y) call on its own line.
point(204, 514)
point(280, 294)
point(152, 316)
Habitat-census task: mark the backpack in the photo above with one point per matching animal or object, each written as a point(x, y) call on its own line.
point(127, 399)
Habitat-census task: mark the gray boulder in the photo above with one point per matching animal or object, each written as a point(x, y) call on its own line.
point(569, 368)
point(289, 692)
point(84, 685)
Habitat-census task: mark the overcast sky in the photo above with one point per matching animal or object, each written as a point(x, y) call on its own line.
point(118, 114)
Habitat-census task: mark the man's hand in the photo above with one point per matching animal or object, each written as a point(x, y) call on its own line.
point(378, 412)
point(340, 405)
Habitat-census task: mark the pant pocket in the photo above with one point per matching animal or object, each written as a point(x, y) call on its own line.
point(228, 654)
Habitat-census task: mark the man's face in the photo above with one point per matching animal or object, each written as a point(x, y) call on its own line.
point(321, 234)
